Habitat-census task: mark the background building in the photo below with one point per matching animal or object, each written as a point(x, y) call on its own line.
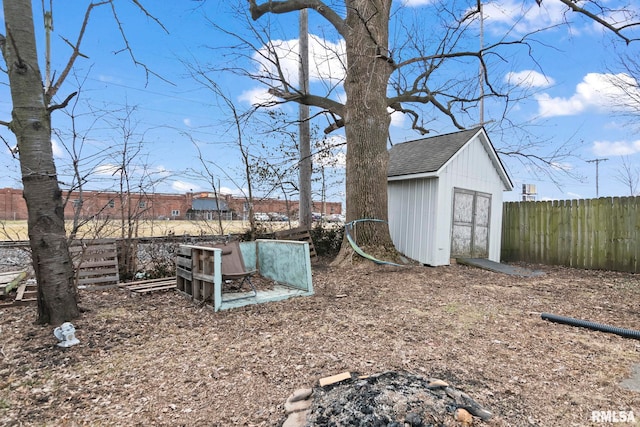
point(105, 204)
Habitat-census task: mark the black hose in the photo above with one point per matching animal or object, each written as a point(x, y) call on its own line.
point(627, 333)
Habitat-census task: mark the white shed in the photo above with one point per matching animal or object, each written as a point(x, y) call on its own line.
point(445, 197)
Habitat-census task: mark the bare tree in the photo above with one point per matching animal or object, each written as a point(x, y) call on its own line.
point(33, 104)
point(130, 187)
point(237, 124)
point(81, 166)
point(31, 123)
point(629, 176)
point(210, 177)
point(382, 78)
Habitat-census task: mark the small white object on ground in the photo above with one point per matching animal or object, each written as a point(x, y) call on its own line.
point(66, 334)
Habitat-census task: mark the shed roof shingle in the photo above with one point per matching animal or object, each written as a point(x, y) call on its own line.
point(426, 154)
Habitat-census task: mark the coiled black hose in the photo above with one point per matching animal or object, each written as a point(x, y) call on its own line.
point(627, 333)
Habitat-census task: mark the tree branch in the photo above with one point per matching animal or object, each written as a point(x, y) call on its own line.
point(129, 49)
point(573, 5)
point(51, 91)
point(279, 7)
point(63, 104)
point(415, 117)
point(308, 99)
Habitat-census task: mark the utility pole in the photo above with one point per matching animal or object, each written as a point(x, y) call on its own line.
point(481, 64)
point(48, 28)
point(305, 165)
point(597, 162)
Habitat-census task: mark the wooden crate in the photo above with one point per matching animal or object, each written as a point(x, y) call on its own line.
point(184, 278)
point(203, 268)
point(196, 276)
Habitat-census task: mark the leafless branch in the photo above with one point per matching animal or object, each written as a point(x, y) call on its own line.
point(63, 104)
point(573, 5)
point(628, 175)
point(12, 150)
point(53, 89)
point(276, 82)
point(415, 117)
point(308, 99)
point(128, 47)
point(279, 7)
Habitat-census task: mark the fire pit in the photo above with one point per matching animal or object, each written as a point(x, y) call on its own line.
point(397, 399)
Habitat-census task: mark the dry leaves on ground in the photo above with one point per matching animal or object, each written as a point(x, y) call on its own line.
point(160, 360)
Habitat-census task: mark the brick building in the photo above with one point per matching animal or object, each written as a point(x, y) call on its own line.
point(106, 204)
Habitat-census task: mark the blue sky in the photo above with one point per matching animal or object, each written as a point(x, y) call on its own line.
point(569, 101)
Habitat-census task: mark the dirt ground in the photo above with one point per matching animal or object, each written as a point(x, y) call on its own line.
point(160, 360)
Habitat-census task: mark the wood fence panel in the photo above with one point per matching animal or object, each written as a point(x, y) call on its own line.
point(567, 248)
point(599, 233)
point(554, 230)
point(95, 262)
point(581, 213)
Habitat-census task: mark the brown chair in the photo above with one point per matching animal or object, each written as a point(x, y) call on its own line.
point(233, 268)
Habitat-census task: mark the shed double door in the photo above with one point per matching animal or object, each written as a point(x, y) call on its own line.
point(470, 230)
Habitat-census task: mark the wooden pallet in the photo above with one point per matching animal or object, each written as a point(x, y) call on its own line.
point(10, 280)
point(26, 294)
point(96, 263)
point(152, 285)
point(299, 235)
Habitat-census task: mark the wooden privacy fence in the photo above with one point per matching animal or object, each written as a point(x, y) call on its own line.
point(599, 233)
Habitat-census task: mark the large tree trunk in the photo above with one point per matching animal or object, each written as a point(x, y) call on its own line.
point(367, 121)
point(57, 296)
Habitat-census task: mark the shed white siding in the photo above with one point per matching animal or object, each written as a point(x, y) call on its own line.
point(413, 217)
point(421, 205)
point(470, 169)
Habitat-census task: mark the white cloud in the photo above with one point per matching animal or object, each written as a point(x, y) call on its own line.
point(549, 107)
point(507, 16)
point(237, 192)
point(187, 122)
point(529, 78)
point(618, 17)
point(184, 186)
point(574, 195)
point(615, 148)
point(416, 3)
point(257, 96)
point(596, 92)
point(107, 169)
point(397, 118)
point(326, 60)
point(158, 171)
point(327, 64)
point(58, 150)
point(563, 167)
point(107, 79)
point(522, 17)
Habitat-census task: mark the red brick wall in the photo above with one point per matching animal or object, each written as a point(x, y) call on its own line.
point(280, 206)
point(12, 205)
point(145, 206)
point(154, 206)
